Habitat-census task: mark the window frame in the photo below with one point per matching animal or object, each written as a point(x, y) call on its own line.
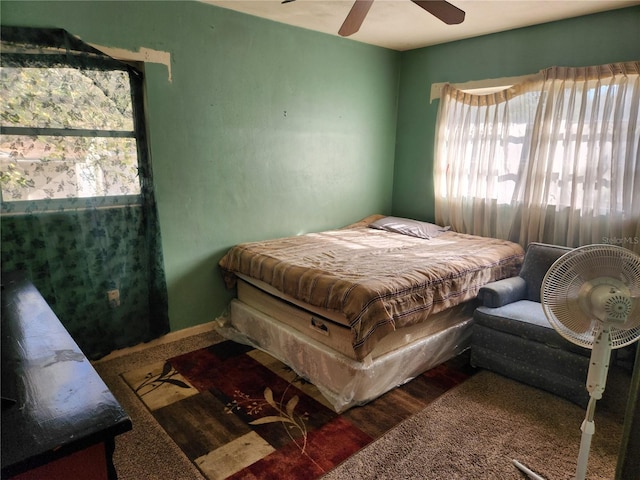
point(138, 134)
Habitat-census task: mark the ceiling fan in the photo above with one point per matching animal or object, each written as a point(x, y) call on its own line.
point(441, 9)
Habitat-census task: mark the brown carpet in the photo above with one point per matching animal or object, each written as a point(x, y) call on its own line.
point(475, 430)
point(471, 432)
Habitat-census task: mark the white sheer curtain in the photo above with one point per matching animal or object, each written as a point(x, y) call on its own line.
point(554, 159)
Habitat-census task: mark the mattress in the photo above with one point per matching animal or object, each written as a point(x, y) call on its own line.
point(373, 281)
point(331, 328)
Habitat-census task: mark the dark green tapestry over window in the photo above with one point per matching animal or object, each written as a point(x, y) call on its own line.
point(78, 212)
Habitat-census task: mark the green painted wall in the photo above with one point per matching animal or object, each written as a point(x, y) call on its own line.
point(590, 40)
point(265, 130)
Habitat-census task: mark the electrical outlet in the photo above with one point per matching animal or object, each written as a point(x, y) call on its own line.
point(114, 298)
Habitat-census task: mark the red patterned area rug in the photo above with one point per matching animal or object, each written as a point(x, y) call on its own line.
point(238, 413)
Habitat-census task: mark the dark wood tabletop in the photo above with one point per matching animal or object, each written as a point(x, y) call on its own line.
point(53, 401)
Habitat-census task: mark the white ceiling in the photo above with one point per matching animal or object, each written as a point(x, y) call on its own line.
point(402, 25)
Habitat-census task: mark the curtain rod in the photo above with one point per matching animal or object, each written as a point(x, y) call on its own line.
point(490, 83)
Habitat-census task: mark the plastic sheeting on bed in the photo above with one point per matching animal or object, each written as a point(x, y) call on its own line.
point(344, 382)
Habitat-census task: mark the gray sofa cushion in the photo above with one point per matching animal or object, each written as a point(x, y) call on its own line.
point(527, 320)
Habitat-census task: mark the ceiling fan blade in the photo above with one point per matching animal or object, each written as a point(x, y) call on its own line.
point(355, 17)
point(448, 13)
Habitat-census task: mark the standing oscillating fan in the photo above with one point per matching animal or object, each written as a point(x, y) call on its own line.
point(591, 296)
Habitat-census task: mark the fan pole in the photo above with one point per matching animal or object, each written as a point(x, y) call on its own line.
point(596, 380)
point(588, 428)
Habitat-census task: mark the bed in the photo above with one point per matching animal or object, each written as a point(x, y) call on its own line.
point(360, 310)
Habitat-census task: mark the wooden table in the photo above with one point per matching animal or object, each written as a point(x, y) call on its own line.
point(63, 419)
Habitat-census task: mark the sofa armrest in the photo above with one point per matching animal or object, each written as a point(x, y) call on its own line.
point(502, 292)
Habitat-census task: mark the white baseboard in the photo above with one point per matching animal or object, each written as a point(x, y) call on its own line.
point(168, 338)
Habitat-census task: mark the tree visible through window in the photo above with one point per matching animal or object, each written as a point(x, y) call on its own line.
point(67, 133)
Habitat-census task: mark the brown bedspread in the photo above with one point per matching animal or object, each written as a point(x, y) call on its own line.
point(379, 280)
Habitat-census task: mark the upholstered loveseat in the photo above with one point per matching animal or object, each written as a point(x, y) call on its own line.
point(512, 336)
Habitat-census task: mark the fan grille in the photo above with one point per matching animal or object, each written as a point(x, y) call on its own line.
point(561, 288)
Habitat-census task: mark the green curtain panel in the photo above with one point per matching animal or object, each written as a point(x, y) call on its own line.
point(78, 212)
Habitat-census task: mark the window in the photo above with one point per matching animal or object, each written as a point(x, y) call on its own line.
point(553, 159)
point(67, 134)
point(488, 131)
point(78, 209)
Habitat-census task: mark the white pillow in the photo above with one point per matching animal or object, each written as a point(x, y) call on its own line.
point(410, 227)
